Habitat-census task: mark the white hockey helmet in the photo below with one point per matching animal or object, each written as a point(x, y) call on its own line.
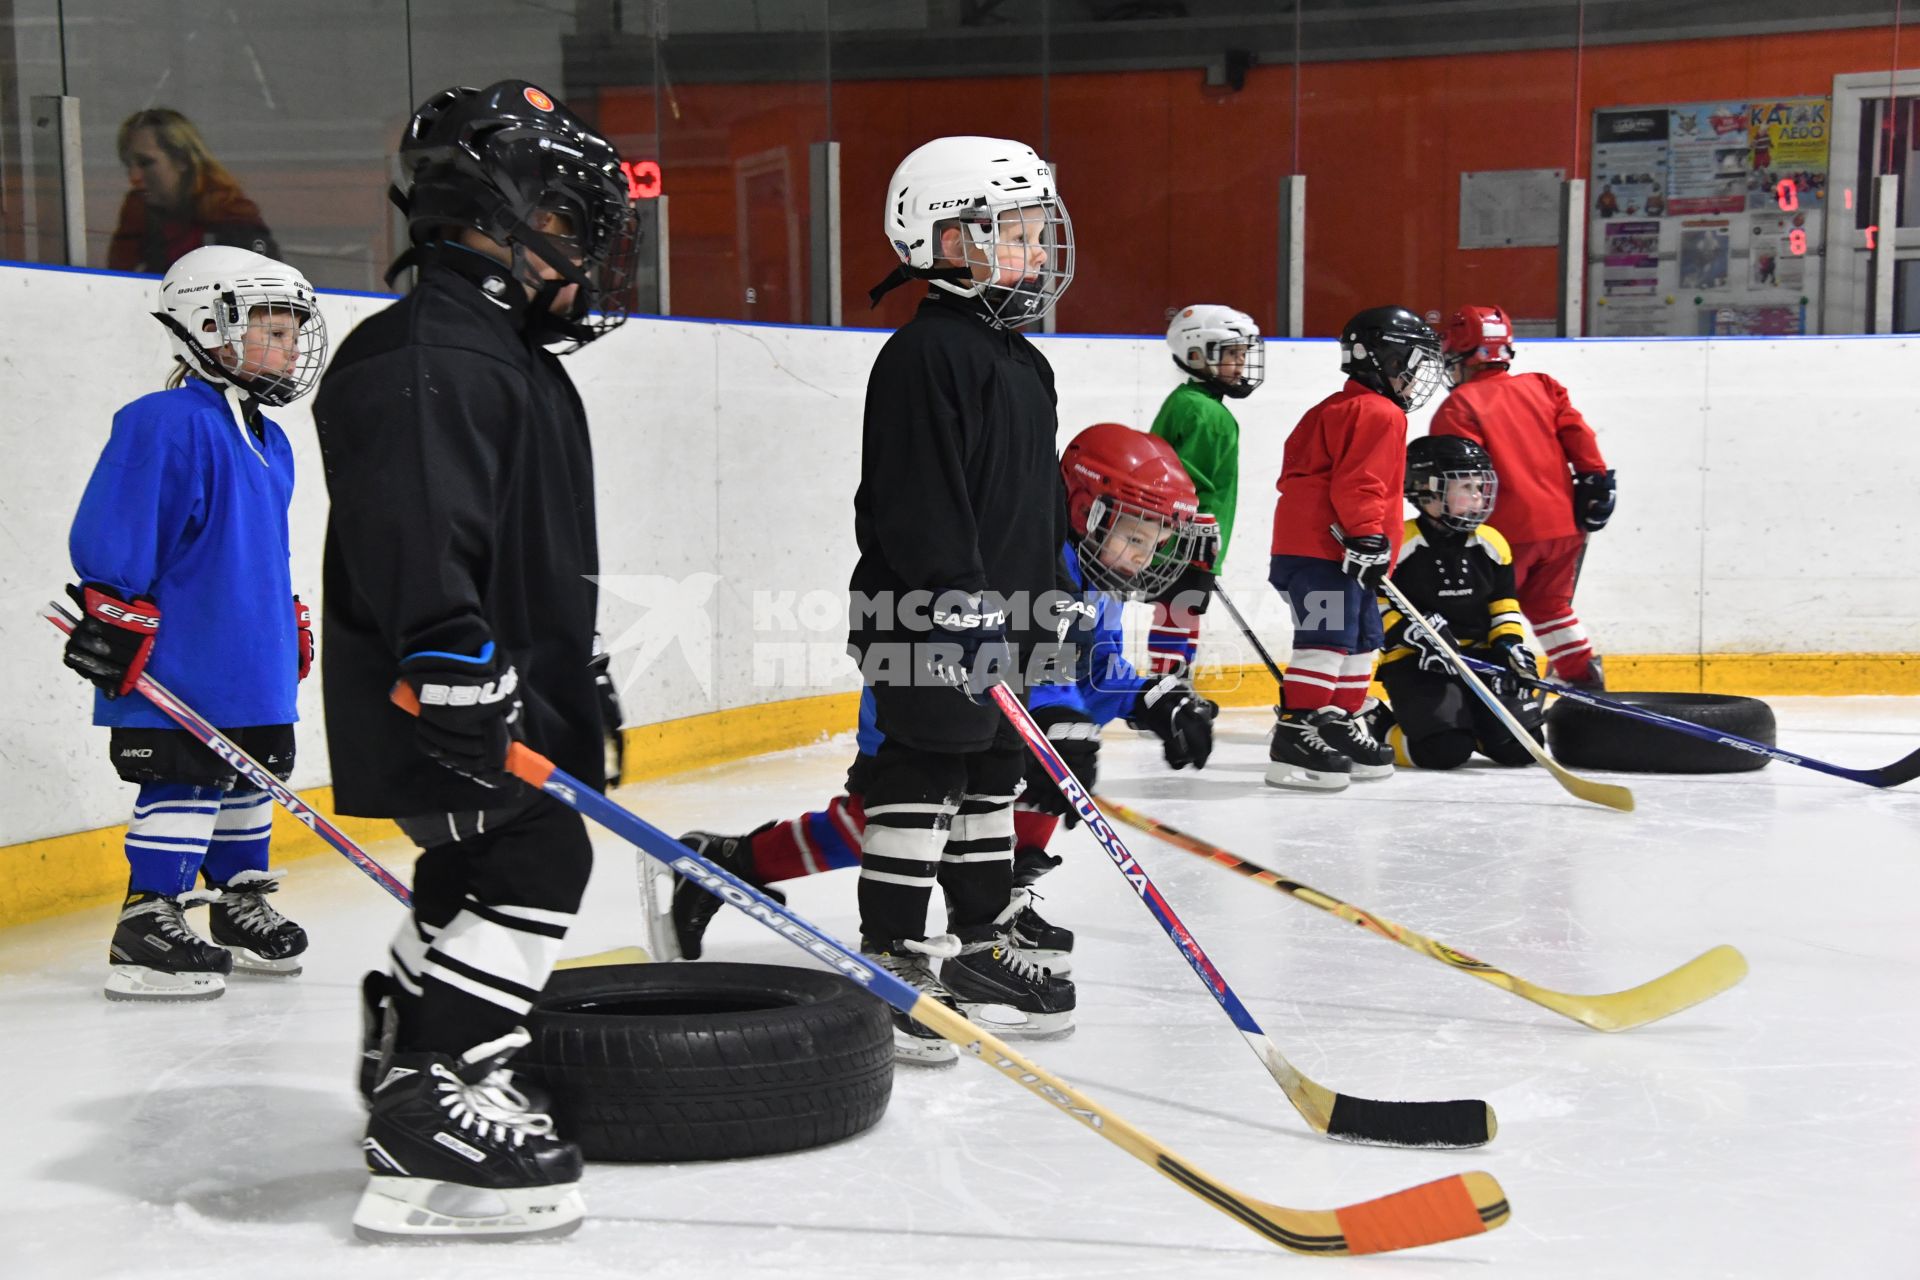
point(213, 297)
point(1003, 197)
point(1200, 335)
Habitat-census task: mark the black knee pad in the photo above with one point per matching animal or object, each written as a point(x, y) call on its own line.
point(899, 774)
point(1507, 751)
point(1448, 750)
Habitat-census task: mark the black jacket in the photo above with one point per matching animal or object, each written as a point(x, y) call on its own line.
point(1465, 577)
point(959, 480)
point(461, 475)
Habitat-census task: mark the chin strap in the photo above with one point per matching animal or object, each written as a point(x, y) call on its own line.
point(904, 273)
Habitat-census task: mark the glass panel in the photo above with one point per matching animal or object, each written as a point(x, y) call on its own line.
point(30, 228)
point(265, 125)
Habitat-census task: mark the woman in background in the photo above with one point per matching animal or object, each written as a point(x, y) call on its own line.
point(181, 198)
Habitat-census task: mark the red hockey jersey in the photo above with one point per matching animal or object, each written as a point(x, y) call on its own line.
point(1533, 432)
point(1345, 463)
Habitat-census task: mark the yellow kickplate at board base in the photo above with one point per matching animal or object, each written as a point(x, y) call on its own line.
point(619, 955)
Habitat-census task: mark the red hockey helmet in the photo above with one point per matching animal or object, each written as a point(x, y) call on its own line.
point(1132, 507)
point(1477, 333)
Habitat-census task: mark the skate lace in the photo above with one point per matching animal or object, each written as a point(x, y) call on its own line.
point(168, 914)
point(244, 898)
point(914, 969)
point(479, 1110)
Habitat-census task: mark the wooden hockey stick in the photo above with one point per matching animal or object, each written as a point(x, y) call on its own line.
point(1701, 978)
point(249, 768)
point(1901, 771)
point(1601, 793)
point(1462, 1123)
point(1462, 1204)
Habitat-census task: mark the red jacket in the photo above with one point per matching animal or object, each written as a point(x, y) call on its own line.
point(1345, 463)
point(1533, 433)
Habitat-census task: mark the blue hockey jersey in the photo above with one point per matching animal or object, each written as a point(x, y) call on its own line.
point(188, 507)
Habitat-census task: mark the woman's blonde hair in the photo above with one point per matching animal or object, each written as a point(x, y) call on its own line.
point(176, 136)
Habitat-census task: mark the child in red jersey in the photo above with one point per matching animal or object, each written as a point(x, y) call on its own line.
point(1335, 530)
point(1555, 487)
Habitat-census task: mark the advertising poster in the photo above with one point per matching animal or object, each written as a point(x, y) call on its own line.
point(1753, 322)
point(1706, 253)
point(1629, 163)
point(1789, 137)
point(1776, 257)
point(1631, 261)
point(1709, 158)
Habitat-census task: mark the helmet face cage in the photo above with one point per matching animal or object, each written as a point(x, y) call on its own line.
point(1404, 368)
point(1000, 239)
point(1466, 496)
point(273, 330)
point(1253, 364)
point(1160, 544)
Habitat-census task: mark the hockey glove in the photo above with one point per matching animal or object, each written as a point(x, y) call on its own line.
point(303, 632)
point(1180, 718)
point(1076, 629)
point(1206, 543)
point(1593, 494)
point(1430, 637)
point(1365, 557)
point(469, 714)
point(114, 638)
point(1524, 664)
point(968, 646)
point(1077, 738)
point(611, 716)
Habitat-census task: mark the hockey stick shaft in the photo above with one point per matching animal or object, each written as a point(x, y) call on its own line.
point(1607, 794)
point(1240, 620)
point(1699, 979)
point(1467, 1122)
point(1900, 771)
point(249, 769)
point(1464, 1204)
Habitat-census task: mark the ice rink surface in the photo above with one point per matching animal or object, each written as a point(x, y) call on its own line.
point(1774, 1131)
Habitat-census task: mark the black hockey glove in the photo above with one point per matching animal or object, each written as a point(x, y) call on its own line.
point(1180, 718)
point(469, 714)
point(113, 639)
point(1593, 494)
point(1430, 637)
point(1077, 738)
point(1206, 543)
point(1521, 664)
point(611, 717)
point(1365, 558)
point(1075, 622)
point(968, 646)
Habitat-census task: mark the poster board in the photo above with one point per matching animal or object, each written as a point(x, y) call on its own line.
point(1510, 208)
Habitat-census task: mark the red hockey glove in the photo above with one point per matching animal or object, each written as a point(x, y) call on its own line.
point(303, 628)
point(114, 638)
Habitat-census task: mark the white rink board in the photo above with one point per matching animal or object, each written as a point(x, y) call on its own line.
point(1764, 492)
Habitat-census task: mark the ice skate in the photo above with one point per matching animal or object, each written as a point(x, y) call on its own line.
point(1300, 759)
point(908, 959)
point(1005, 991)
point(156, 955)
point(261, 939)
point(1352, 736)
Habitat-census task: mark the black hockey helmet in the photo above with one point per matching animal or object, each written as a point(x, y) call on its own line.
point(1458, 473)
point(1394, 352)
point(492, 159)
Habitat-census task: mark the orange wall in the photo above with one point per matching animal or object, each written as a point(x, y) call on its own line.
point(1173, 186)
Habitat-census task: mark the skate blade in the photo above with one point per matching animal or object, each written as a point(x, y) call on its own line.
point(1010, 1023)
point(656, 909)
point(248, 961)
point(1369, 772)
point(132, 982)
point(1288, 777)
point(914, 1051)
point(396, 1210)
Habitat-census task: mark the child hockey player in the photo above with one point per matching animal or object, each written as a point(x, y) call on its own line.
point(1555, 488)
point(461, 559)
point(1335, 529)
point(1221, 352)
point(1131, 509)
point(181, 546)
point(1457, 571)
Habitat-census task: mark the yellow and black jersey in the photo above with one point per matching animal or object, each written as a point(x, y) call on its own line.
point(1466, 577)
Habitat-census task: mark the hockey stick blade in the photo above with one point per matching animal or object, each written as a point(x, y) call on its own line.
point(1701, 978)
point(248, 768)
point(1459, 1123)
point(1903, 770)
point(1606, 794)
point(1465, 1204)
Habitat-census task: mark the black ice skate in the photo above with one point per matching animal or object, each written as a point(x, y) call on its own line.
point(380, 1028)
point(1300, 759)
point(1002, 989)
point(907, 959)
point(450, 1162)
point(156, 955)
point(1050, 945)
point(693, 907)
point(261, 939)
point(1352, 736)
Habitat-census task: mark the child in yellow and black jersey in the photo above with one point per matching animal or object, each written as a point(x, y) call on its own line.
point(1458, 571)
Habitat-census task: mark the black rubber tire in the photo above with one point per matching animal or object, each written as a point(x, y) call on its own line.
point(1583, 737)
point(666, 1062)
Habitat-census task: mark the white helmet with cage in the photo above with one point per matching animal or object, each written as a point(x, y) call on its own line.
point(1220, 346)
point(241, 319)
point(1017, 249)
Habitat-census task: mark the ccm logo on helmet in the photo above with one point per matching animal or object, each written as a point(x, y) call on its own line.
point(937, 205)
point(539, 100)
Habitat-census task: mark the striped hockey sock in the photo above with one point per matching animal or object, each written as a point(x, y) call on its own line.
point(1568, 649)
point(1356, 673)
point(173, 823)
point(1312, 677)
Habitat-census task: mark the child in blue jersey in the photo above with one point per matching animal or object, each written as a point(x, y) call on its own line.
point(1133, 512)
point(181, 547)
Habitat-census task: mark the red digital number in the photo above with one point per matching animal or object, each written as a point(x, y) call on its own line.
point(1870, 231)
point(643, 178)
point(1787, 194)
point(1797, 242)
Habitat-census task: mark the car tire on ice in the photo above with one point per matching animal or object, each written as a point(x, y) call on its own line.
point(1584, 737)
point(666, 1062)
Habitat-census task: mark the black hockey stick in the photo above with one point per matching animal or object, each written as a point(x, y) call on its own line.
point(1903, 770)
point(1466, 1122)
point(1273, 668)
